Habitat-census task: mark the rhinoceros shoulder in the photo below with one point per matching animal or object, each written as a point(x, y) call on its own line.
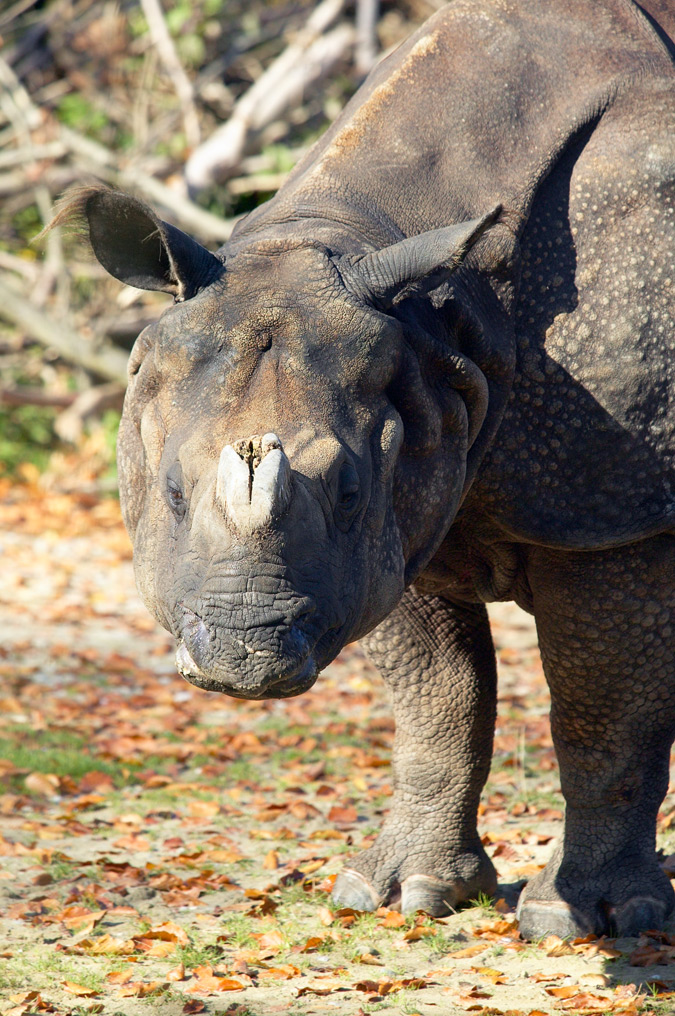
point(585, 454)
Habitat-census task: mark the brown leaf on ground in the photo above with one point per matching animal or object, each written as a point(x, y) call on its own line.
point(120, 976)
point(346, 816)
point(588, 1004)
point(304, 810)
point(105, 945)
point(310, 990)
point(271, 941)
point(160, 949)
point(203, 809)
point(420, 931)
point(496, 930)
point(313, 943)
point(271, 861)
point(42, 783)
point(133, 843)
point(495, 976)
point(555, 946)
point(284, 972)
point(387, 987)
point(80, 918)
point(370, 959)
point(140, 989)
point(79, 989)
point(468, 951)
point(390, 918)
point(208, 983)
point(651, 954)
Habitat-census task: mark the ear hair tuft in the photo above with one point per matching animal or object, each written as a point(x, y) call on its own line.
point(70, 213)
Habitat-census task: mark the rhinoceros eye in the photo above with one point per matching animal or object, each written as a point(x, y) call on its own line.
point(348, 496)
point(176, 499)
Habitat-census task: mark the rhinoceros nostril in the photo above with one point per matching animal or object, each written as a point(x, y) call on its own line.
point(193, 631)
point(302, 610)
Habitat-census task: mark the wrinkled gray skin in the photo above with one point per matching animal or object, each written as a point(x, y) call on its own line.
point(335, 434)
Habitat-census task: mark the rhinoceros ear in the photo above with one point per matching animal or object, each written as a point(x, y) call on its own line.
point(414, 266)
point(135, 245)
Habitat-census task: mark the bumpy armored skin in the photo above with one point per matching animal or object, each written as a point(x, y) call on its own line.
point(609, 662)
point(437, 369)
point(438, 663)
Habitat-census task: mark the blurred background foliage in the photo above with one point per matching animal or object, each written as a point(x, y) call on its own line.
point(133, 93)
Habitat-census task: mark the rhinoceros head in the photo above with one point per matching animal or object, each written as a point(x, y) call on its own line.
point(289, 457)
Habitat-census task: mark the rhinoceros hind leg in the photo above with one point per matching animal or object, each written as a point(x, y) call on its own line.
point(573, 909)
point(605, 624)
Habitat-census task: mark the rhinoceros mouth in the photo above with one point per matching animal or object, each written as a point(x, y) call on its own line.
point(281, 686)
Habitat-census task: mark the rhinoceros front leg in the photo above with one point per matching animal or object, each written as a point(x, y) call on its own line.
point(438, 662)
point(606, 625)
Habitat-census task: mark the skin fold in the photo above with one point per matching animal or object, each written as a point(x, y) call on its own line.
point(434, 371)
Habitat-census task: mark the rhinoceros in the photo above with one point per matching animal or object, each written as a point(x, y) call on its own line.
point(436, 370)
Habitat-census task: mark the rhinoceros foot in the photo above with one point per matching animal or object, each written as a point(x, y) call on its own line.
point(621, 901)
point(378, 877)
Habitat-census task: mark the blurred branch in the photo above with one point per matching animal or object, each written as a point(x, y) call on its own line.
point(25, 116)
point(105, 360)
point(15, 10)
point(310, 56)
point(367, 13)
point(16, 103)
point(54, 267)
point(161, 37)
point(26, 396)
point(100, 161)
point(69, 425)
point(266, 182)
point(20, 156)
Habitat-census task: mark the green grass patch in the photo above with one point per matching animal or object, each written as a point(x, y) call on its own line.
point(54, 751)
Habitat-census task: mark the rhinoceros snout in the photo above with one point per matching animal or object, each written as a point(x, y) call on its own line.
point(271, 658)
point(253, 485)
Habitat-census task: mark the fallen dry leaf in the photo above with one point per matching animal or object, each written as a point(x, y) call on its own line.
point(468, 951)
point(285, 972)
point(312, 944)
point(370, 959)
point(391, 919)
point(79, 989)
point(140, 989)
point(177, 973)
point(120, 976)
point(208, 983)
point(420, 931)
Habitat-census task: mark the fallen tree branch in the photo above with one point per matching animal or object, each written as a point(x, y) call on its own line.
point(70, 424)
point(25, 396)
point(367, 13)
point(105, 360)
point(256, 182)
point(161, 37)
point(101, 162)
point(310, 56)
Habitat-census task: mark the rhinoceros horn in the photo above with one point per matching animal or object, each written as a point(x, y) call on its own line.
point(253, 484)
point(413, 266)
